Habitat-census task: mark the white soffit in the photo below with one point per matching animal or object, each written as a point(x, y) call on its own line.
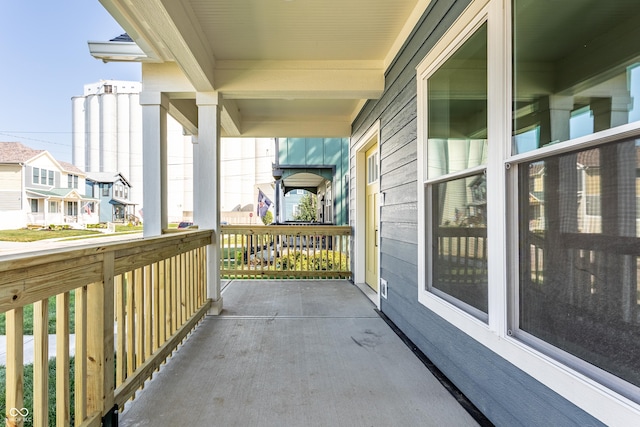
point(285, 63)
point(301, 29)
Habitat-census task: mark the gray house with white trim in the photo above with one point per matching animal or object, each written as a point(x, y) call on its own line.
point(463, 118)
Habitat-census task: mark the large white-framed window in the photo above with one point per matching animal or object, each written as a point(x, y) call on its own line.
point(576, 177)
point(562, 182)
point(453, 152)
point(72, 181)
point(43, 176)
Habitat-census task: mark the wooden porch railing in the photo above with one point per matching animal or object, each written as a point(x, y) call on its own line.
point(134, 301)
point(285, 251)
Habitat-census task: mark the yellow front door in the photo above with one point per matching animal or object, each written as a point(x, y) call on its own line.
point(371, 226)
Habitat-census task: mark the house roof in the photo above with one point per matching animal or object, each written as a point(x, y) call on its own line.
point(591, 158)
point(16, 152)
point(107, 177)
point(117, 201)
point(121, 38)
point(61, 193)
point(295, 68)
point(68, 167)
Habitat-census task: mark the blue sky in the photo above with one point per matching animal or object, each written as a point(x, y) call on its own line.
point(44, 61)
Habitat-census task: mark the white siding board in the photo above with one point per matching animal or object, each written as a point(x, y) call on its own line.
point(10, 200)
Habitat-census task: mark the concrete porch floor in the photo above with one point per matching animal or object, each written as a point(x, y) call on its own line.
point(294, 353)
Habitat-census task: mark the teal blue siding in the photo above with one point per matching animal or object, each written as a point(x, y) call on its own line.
point(295, 153)
point(504, 393)
point(315, 151)
point(320, 154)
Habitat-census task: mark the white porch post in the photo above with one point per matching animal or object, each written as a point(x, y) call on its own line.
point(154, 165)
point(206, 187)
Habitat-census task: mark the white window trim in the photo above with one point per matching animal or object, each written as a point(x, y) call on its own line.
point(587, 394)
point(473, 17)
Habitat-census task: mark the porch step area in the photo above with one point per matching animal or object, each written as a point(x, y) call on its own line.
point(294, 353)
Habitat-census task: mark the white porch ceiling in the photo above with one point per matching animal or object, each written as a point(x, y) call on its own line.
point(283, 67)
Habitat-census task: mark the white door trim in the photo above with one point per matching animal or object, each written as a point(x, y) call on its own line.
point(370, 138)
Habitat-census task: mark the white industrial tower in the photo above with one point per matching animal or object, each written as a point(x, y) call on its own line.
point(107, 137)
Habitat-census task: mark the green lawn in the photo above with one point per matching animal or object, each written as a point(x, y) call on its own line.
point(28, 369)
point(125, 228)
point(25, 235)
point(28, 317)
point(28, 392)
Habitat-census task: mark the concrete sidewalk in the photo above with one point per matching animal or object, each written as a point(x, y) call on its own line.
point(28, 348)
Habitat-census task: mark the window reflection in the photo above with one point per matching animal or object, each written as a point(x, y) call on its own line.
point(457, 142)
point(457, 109)
point(579, 260)
point(576, 69)
point(460, 239)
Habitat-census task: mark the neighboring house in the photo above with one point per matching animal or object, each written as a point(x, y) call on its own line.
point(319, 166)
point(114, 193)
point(36, 189)
point(536, 322)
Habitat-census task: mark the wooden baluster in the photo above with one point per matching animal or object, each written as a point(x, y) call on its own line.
point(121, 365)
point(100, 367)
point(80, 395)
point(139, 317)
point(188, 283)
point(14, 398)
point(40, 411)
point(156, 305)
point(148, 313)
point(62, 360)
point(175, 296)
point(130, 332)
point(162, 301)
point(183, 290)
point(199, 261)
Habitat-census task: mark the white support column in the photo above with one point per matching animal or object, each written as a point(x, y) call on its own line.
point(154, 167)
point(206, 186)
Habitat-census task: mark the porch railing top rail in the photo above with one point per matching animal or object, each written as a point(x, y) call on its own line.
point(27, 278)
point(303, 229)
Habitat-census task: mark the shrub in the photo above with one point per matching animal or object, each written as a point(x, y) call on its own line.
point(318, 261)
point(267, 218)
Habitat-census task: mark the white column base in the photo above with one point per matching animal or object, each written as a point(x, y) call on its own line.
point(216, 308)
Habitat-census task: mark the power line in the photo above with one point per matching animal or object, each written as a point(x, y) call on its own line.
point(35, 139)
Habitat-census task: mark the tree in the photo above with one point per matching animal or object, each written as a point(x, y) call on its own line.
point(307, 209)
point(267, 218)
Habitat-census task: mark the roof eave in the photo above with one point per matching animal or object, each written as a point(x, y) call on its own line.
point(109, 51)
